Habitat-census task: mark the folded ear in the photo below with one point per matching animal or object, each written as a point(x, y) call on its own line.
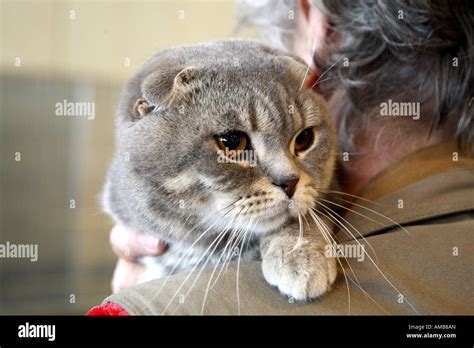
point(181, 83)
point(142, 107)
point(163, 88)
point(185, 76)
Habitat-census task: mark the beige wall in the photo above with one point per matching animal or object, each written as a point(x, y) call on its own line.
point(103, 35)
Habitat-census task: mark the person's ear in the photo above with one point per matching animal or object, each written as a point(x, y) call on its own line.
point(321, 37)
point(305, 8)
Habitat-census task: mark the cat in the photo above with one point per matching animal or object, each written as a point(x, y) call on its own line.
point(188, 125)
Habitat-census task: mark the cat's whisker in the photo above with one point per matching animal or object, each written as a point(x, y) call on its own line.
point(237, 288)
point(350, 195)
point(329, 78)
point(351, 210)
point(377, 213)
point(321, 230)
point(337, 222)
point(228, 212)
point(244, 231)
point(327, 235)
point(228, 250)
point(98, 212)
point(300, 235)
point(249, 239)
point(231, 204)
point(299, 241)
point(230, 247)
point(324, 73)
point(216, 241)
point(386, 278)
point(235, 221)
point(355, 280)
point(234, 232)
point(313, 50)
point(305, 219)
point(183, 224)
point(240, 235)
point(188, 250)
point(338, 260)
point(347, 230)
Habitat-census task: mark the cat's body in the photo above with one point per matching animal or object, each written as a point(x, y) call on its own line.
point(173, 174)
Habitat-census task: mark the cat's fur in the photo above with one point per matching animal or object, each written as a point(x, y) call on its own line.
point(166, 179)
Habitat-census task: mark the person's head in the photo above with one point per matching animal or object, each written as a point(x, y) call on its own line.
point(378, 56)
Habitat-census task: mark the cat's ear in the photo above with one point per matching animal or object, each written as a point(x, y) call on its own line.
point(185, 76)
point(163, 88)
point(181, 83)
point(142, 107)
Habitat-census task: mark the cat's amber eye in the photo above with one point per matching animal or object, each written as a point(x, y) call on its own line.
point(233, 142)
point(304, 140)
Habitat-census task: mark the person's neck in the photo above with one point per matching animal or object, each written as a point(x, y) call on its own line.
point(376, 151)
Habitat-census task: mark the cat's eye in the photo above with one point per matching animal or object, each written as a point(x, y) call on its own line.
point(233, 142)
point(304, 140)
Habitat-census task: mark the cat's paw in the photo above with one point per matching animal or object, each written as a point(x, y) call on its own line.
point(300, 271)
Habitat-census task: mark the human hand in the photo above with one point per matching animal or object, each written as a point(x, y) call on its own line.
point(129, 245)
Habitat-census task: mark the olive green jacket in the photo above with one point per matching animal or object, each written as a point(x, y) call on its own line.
point(416, 225)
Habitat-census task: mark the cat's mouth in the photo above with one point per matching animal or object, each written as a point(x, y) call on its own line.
point(267, 219)
point(264, 210)
point(271, 219)
point(272, 212)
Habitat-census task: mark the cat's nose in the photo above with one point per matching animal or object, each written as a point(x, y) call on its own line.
point(289, 186)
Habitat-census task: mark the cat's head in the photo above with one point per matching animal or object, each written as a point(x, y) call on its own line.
point(228, 137)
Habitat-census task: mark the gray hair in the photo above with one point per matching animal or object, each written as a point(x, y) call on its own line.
point(273, 19)
point(404, 50)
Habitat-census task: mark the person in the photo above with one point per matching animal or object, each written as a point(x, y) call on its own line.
point(409, 176)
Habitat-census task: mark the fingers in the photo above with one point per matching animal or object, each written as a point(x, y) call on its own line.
point(126, 274)
point(131, 244)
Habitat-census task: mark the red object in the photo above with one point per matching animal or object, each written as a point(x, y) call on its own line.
point(311, 80)
point(107, 309)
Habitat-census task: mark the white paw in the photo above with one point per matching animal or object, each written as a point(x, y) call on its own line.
point(302, 273)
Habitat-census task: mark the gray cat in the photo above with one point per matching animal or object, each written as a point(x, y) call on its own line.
point(218, 150)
